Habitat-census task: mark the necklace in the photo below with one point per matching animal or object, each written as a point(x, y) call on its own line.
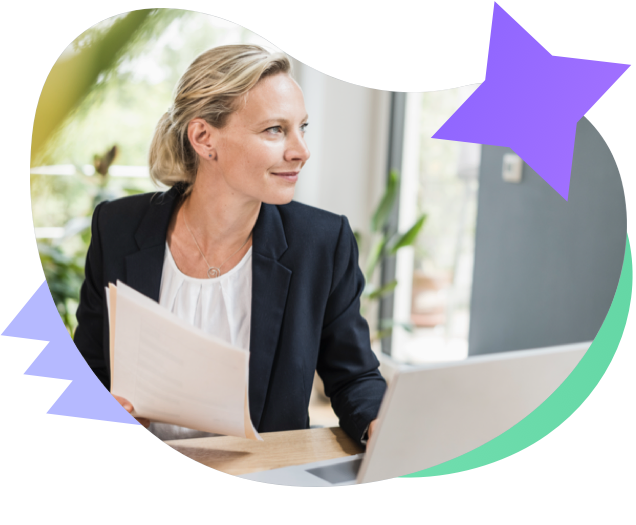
point(213, 271)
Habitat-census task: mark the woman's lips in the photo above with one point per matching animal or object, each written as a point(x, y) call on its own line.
point(290, 176)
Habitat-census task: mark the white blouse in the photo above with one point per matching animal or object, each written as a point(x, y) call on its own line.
point(220, 306)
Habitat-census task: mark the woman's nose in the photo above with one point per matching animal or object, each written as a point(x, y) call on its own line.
point(297, 150)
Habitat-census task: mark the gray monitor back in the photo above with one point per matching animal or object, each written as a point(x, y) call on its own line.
point(545, 269)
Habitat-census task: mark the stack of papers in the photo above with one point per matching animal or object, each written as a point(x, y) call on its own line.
point(173, 372)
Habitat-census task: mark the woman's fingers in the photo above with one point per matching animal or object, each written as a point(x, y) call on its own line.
point(372, 427)
point(129, 408)
point(143, 421)
point(124, 403)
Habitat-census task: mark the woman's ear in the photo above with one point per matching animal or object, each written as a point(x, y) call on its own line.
point(203, 138)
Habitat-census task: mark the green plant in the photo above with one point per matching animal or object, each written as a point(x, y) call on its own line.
point(64, 275)
point(383, 244)
point(63, 259)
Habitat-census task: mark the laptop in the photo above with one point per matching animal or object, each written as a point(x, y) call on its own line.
point(434, 413)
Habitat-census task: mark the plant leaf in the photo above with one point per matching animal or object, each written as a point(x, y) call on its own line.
point(369, 288)
point(390, 323)
point(358, 237)
point(383, 290)
point(381, 334)
point(383, 210)
point(409, 237)
point(374, 257)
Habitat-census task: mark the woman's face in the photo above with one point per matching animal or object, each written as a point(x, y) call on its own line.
point(261, 149)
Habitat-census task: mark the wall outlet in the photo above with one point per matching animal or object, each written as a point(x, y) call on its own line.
point(512, 168)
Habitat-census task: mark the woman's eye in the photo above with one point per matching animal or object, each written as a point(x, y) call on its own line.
point(274, 130)
point(303, 128)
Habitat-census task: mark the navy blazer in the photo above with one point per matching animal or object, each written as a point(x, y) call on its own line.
point(306, 286)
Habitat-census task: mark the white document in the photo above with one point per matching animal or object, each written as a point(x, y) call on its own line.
point(173, 372)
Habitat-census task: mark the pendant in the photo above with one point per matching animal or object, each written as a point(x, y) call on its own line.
point(213, 272)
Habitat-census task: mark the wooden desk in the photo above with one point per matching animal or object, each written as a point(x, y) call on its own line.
point(278, 449)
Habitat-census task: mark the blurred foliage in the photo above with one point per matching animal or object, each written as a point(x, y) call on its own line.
point(63, 258)
point(77, 71)
point(381, 245)
point(64, 275)
point(133, 87)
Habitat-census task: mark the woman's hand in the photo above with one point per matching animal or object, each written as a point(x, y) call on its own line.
point(142, 420)
point(371, 427)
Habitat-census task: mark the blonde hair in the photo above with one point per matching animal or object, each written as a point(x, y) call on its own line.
point(209, 89)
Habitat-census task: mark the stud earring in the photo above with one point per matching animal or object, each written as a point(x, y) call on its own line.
point(210, 155)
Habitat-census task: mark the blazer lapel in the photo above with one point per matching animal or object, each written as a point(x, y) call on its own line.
point(270, 283)
point(144, 268)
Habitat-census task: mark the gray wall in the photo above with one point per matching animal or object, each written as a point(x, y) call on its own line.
point(545, 269)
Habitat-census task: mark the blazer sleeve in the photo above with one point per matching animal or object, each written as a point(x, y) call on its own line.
point(346, 363)
point(89, 334)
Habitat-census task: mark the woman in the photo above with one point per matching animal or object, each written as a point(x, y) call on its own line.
point(226, 248)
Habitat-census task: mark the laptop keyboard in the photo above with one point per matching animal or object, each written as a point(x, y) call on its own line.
point(338, 473)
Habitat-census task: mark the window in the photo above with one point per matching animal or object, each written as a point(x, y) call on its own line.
point(440, 179)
